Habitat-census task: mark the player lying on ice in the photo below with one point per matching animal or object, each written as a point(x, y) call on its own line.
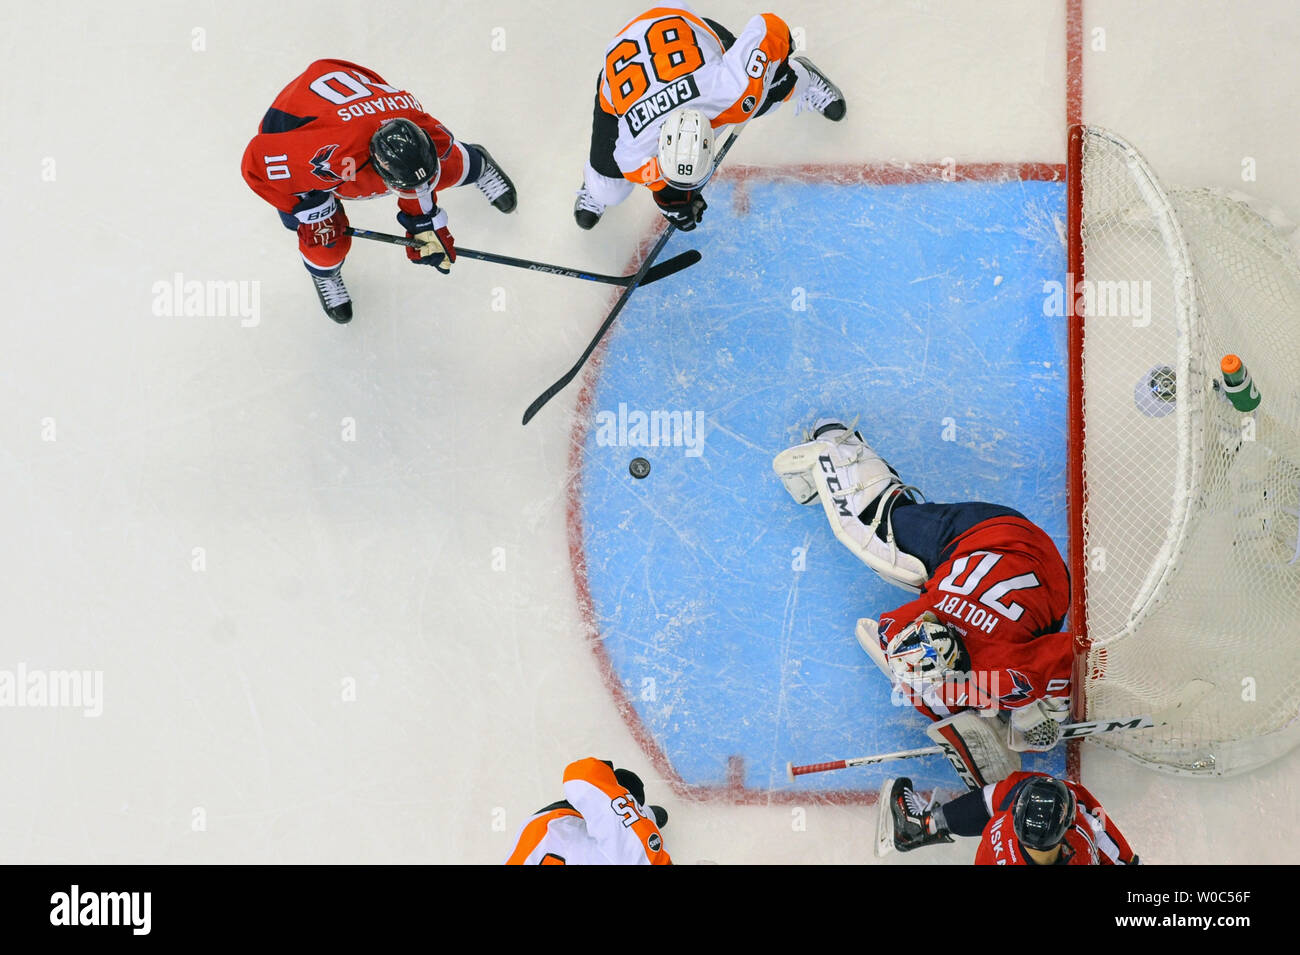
point(670, 80)
point(602, 820)
point(1026, 819)
point(983, 635)
point(338, 131)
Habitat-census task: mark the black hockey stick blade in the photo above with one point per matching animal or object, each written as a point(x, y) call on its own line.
point(671, 266)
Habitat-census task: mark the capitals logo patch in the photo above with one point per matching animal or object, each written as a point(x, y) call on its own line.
point(748, 103)
point(320, 164)
point(1024, 688)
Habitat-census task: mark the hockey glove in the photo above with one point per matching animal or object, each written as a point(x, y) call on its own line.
point(321, 219)
point(1035, 728)
point(683, 209)
point(437, 247)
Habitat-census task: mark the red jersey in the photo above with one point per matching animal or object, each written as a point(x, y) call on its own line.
point(1093, 839)
point(1005, 590)
point(316, 137)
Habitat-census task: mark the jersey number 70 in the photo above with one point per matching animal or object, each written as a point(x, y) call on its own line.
point(993, 596)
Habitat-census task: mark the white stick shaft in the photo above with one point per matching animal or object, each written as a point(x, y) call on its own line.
point(1189, 694)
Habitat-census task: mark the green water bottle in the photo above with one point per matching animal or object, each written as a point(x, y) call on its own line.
point(1237, 384)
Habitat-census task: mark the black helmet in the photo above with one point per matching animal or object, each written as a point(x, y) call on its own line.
point(403, 154)
point(1043, 812)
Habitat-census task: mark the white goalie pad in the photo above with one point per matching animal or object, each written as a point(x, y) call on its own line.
point(848, 477)
point(975, 748)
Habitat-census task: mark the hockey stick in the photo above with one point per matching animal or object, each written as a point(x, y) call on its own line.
point(662, 270)
point(637, 280)
point(1189, 694)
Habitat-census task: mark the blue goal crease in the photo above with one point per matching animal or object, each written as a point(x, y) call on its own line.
point(726, 610)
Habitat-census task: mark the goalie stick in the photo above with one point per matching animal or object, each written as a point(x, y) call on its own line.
point(637, 280)
point(1189, 694)
point(662, 270)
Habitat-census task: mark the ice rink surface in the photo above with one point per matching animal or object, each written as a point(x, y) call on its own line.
point(326, 575)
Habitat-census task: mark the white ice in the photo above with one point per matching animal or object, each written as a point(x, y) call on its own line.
point(423, 566)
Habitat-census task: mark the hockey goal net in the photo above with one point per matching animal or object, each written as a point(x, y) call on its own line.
point(1185, 511)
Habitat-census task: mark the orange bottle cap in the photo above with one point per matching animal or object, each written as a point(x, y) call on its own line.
point(1230, 364)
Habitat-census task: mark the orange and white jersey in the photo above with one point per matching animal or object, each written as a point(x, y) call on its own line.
point(669, 57)
point(599, 823)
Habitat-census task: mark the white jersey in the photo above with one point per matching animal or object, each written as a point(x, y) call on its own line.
point(667, 58)
point(599, 823)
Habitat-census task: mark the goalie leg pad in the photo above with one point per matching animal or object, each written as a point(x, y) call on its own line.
point(976, 748)
point(853, 483)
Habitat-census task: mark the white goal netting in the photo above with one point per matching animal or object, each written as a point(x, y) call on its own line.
point(1191, 508)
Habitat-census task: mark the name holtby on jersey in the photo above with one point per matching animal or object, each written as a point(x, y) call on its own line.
point(1103, 298)
point(75, 907)
point(651, 429)
point(25, 687)
point(210, 298)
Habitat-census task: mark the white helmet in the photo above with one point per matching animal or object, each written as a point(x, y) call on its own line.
point(925, 650)
point(686, 149)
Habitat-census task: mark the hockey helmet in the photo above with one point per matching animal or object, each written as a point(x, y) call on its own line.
point(925, 650)
point(403, 155)
point(1043, 812)
point(686, 149)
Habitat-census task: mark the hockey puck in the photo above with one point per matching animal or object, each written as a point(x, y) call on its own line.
point(639, 468)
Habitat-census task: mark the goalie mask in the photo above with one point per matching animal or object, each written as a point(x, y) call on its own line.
point(925, 650)
point(686, 149)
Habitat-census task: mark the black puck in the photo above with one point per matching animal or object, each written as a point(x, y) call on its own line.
point(639, 468)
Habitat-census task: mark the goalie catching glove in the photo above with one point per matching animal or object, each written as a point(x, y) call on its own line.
point(1036, 727)
point(437, 247)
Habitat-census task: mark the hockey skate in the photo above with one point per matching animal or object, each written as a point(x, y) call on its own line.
point(333, 295)
point(819, 95)
point(904, 820)
point(587, 211)
point(495, 184)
